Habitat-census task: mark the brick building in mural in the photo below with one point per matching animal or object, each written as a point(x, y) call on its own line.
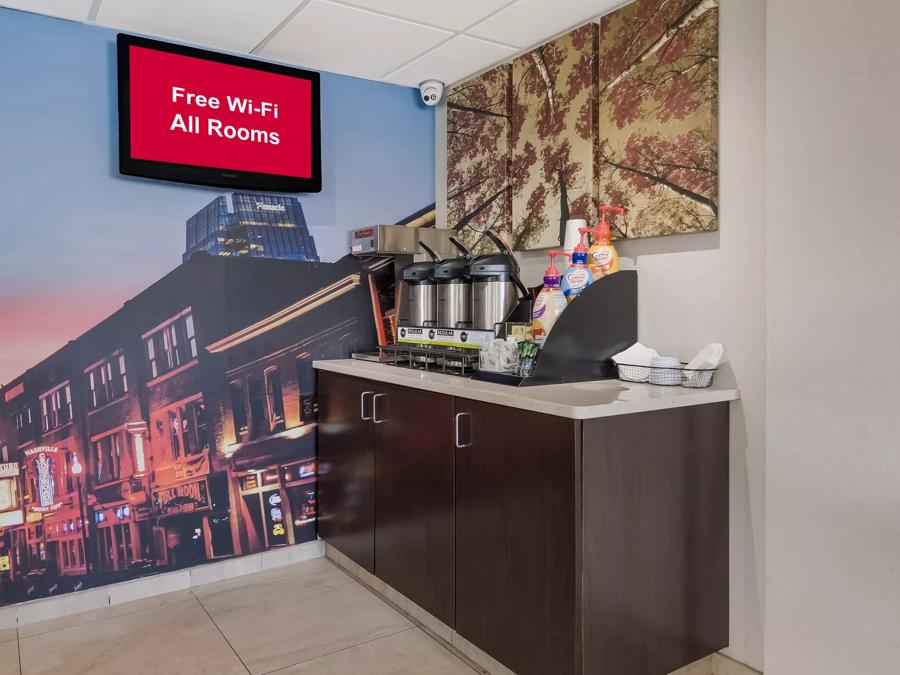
point(179, 429)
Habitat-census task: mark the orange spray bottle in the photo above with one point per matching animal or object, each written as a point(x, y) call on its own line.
point(603, 258)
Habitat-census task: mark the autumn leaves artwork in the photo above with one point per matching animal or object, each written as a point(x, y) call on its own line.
point(554, 127)
point(659, 86)
point(521, 143)
point(479, 150)
point(625, 112)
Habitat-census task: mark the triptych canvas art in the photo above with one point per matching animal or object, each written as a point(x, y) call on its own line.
point(623, 111)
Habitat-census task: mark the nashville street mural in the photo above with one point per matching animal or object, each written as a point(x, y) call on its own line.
point(181, 428)
point(157, 405)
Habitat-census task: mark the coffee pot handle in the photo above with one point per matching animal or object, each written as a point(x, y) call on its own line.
point(430, 251)
point(467, 254)
point(502, 245)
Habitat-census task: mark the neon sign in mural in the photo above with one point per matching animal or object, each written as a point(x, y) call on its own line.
point(276, 515)
point(43, 467)
point(44, 464)
point(137, 431)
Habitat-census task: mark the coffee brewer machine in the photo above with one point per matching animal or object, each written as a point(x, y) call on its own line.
point(496, 288)
point(454, 290)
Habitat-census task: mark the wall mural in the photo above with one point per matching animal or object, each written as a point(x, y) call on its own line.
point(623, 113)
point(156, 340)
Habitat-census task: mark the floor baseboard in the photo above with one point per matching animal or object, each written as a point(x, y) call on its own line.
point(24, 613)
point(714, 664)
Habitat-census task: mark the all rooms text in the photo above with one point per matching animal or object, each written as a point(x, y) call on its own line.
point(191, 124)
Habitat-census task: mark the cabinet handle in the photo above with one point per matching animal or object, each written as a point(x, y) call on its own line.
point(362, 405)
point(456, 424)
point(374, 409)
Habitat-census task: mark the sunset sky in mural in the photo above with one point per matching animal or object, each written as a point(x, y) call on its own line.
point(78, 239)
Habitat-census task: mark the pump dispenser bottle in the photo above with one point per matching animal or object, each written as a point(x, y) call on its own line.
point(550, 301)
point(578, 276)
point(603, 258)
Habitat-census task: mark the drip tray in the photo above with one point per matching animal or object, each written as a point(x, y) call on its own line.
point(448, 360)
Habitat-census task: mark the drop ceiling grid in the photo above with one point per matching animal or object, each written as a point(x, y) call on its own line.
point(236, 25)
point(334, 36)
point(434, 11)
point(397, 41)
point(74, 10)
point(445, 63)
point(498, 49)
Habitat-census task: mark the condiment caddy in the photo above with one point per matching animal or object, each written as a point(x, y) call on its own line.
point(642, 364)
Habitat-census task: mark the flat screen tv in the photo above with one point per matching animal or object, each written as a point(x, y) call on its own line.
point(196, 116)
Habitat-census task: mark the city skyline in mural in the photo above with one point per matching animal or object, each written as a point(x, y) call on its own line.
point(254, 224)
point(79, 239)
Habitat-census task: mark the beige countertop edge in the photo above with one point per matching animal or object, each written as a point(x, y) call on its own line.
point(586, 400)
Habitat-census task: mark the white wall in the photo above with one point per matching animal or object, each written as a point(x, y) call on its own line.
point(700, 288)
point(833, 431)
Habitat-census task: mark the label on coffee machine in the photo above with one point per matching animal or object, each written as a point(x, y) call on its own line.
point(444, 337)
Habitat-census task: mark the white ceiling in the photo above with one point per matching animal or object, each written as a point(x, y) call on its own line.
point(399, 41)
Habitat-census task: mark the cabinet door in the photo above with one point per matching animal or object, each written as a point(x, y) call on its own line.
point(414, 496)
point(655, 539)
point(346, 467)
point(516, 523)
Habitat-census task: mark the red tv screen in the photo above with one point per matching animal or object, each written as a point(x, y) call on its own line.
point(195, 116)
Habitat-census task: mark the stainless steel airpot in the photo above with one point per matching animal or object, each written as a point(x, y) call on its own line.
point(454, 289)
point(418, 292)
point(496, 288)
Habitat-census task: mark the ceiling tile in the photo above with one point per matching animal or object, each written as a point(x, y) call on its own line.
point(530, 22)
point(341, 39)
point(64, 9)
point(452, 61)
point(237, 25)
point(454, 15)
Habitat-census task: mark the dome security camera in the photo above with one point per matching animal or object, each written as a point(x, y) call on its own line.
point(431, 91)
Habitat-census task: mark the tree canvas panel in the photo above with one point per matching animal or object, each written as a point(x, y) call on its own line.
point(554, 131)
point(479, 152)
point(658, 116)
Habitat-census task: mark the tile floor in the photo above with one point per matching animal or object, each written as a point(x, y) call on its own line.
point(310, 618)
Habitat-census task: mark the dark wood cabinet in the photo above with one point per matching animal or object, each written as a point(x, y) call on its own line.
point(555, 545)
point(655, 542)
point(414, 535)
point(346, 456)
point(516, 527)
point(386, 485)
